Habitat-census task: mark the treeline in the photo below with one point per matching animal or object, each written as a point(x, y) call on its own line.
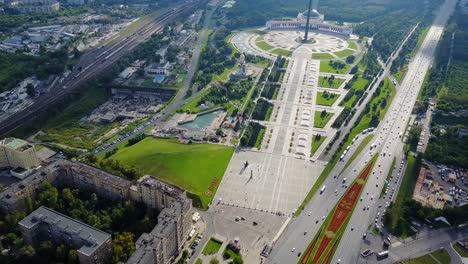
point(448, 148)
point(14, 67)
point(270, 91)
point(390, 29)
point(251, 134)
point(414, 211)
point(136, 139)
point(247, 13)
point(262, 110)
point(114, 167)
point(214, 58)
point(280, 61)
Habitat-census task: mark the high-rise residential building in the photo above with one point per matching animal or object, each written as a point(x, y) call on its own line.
point(93, 245)
point(15, 152)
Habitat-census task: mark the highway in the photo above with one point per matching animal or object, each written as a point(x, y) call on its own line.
point(88, 68)
point(388, 143)
point(388, 137)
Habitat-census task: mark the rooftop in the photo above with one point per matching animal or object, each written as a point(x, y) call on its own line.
point(92, 238)
point(14, 143)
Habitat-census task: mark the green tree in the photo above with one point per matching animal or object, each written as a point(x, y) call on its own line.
point(72, 257)
point(214, 260)
point(30, 89)
point(123, 246)
point(27, 252)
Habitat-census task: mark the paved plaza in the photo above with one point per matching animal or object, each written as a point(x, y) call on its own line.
point(320, 42)
point(283, 170)
point(248, 42)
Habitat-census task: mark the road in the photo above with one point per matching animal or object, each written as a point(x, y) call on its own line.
point(374, 85)
point(179, 99)
point(387, 140)
point(92, 64)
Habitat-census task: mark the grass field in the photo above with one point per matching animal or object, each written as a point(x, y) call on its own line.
point(212, 247)
point(197, 168)
point(361, 146)
point(192, 106)
point(199, 261)
point(323, 99)
point(352, 45)
point(319, 121)
point(442, 256)
point(406, 189)
point(388, 178)
point(232, 253)
point(326, 67)
point(426, 259)
point(225, 74)
point(322, 56)
point(461, 251)
point(344, 53)
point(264, 46)
point(317, 143)
point(324, 82)
point(282, 52)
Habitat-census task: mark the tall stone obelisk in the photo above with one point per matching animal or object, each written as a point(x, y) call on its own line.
point(306, 35)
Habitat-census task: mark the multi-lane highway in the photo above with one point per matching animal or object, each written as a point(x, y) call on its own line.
point(389, 134)
point(92, 68)
point(388, 142)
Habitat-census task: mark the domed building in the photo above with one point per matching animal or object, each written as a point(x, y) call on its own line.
point(316, 22)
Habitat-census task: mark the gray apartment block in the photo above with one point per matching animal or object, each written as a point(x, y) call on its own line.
point(161, 245)
point(93, 245)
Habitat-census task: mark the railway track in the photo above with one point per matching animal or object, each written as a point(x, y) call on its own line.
point(104, 60)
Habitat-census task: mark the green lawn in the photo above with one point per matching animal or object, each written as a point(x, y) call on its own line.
point(322, 56)
point(352, 45)
point(232, 253)
point(320, 121)
point(212, 247)
point(326, 67)
point(442, 256)
point(225, 74)
point(192, 106)
point(282, 52)
point(426, 259)
point(258, 143)
point(361, 146)
point(327, 99)
point(317, 143)
point(264, 46)
point(461, 251)
point(344, 53)
point(360, 83)
point(199, 261)
point(406, 188)
point(197, 168)
point(400, 74)
point(324, 82)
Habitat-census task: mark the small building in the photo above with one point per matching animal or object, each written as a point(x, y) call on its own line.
point(127, 73)
point(160, 69)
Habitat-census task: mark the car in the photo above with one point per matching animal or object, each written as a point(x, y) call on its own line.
point(309, 213)
point(298, 254)
point(305, 232)
point(372, 197)
point(292, 250)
